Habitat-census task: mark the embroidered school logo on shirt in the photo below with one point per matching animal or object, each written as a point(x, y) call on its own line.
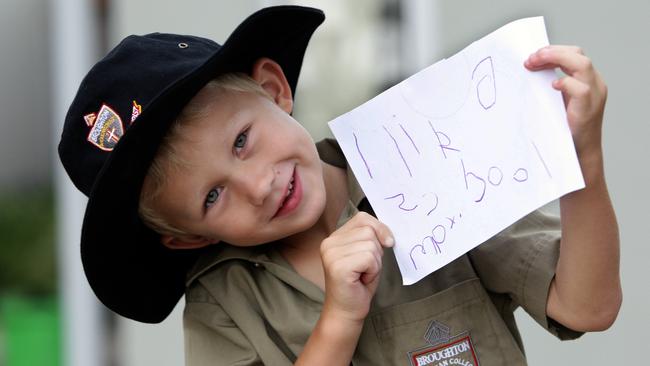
point(444, 350)
point(106, 128)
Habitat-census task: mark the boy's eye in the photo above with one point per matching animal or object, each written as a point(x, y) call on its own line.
point(212, 197)
point(240, 141)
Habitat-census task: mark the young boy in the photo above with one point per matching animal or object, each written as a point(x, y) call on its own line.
point(200, 182)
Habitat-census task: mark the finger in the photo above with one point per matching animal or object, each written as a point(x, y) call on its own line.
point(369, 277)
point(358, 220)
point(568, 48)
point(556, 48)
point(352, 249)
point(353, 267)
point(566, 58)
point(385, 235)
point(362, 219)
point(572, 87)
point(361, 233)
point(369, 269)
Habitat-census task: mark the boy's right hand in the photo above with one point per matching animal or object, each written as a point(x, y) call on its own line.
point(352, 261)
point(352, 257)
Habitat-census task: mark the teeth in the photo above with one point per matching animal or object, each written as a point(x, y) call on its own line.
point(290, 190)
point(290, 187)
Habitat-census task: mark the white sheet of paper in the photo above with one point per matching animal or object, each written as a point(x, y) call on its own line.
point(459, 151)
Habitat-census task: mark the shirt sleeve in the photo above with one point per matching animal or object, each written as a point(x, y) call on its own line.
point(520, 261)
point(212, 337)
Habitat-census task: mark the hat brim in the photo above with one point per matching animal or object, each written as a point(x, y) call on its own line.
point(127, 267)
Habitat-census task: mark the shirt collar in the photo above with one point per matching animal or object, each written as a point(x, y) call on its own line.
point(354, 189)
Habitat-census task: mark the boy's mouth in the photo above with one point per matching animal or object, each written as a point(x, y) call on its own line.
point(292, 196)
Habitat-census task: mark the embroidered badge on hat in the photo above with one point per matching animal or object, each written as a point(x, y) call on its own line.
point(106, 130)
point(90, 119)
point(137, 109)
point(444, 350)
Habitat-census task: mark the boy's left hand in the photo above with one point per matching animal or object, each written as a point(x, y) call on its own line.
point(583, 90)
point(585, 294)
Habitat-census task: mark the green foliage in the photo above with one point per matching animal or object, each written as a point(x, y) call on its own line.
point(27, 249)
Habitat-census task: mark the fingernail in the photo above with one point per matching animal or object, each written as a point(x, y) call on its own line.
point(390, 241)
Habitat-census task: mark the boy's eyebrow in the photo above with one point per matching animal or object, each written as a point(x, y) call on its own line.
point(235, 118)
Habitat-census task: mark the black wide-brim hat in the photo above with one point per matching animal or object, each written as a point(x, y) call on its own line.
point(114, 126)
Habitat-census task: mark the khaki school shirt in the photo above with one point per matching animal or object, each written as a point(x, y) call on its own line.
point(247, 306)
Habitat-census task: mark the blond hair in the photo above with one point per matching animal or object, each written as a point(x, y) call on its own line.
point(168, 158)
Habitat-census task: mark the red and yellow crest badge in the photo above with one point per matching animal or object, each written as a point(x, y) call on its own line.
point(107, 128)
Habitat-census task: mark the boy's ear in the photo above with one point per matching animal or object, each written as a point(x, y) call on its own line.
point(270, 76)
point(196, 242)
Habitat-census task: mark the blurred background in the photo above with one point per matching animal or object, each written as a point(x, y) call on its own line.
point(48, 315)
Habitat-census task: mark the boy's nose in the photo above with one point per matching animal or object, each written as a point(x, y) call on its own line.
point(256, 184)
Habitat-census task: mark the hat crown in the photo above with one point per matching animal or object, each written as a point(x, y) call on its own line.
point(117, 90)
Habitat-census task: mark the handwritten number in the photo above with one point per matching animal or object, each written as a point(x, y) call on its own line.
point(401, 195)
point(521, 175)
point(490, 175)
point(356, 141)
point(409, 136)
point(539, 155)
point(434, 207)
point(399, 151)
